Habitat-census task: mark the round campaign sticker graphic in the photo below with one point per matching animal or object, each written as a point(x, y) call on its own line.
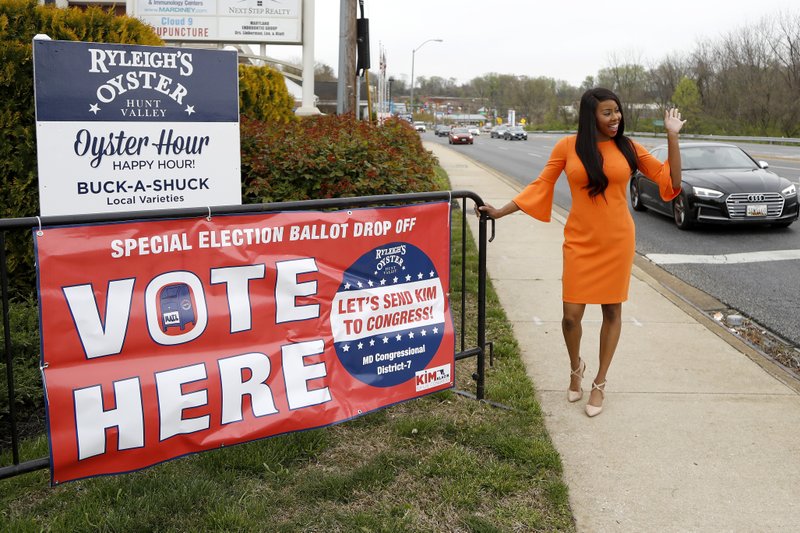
point(388, 314)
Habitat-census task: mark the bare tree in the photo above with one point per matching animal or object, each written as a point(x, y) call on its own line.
point(665, 77)
point(629, 79)
point(746, 78)
point(534, 98)
point(323, 72)
point(785, 44)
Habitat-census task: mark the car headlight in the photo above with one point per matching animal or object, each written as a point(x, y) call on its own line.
point(702, 192)
point(791, 190)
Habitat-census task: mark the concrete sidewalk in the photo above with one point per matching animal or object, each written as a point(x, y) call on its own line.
point(695, 434)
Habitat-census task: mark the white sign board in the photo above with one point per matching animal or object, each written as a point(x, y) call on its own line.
point(235, 21)
point(132, 128)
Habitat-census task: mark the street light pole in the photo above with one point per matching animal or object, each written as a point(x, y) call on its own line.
point(413, 53)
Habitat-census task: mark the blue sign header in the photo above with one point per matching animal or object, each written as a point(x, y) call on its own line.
point(79, 81)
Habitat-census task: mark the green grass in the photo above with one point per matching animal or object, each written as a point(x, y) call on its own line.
point(443, 462)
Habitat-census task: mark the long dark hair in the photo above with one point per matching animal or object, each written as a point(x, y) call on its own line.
point(586, 144)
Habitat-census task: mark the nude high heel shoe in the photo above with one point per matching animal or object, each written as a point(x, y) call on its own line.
point(575, 395)
point(591, 410)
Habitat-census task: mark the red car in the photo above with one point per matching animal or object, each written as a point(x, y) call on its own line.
point(459, 136)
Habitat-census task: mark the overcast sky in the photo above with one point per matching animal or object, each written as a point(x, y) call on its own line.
point(562, 39)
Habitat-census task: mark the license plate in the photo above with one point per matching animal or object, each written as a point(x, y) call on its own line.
point(757, 210)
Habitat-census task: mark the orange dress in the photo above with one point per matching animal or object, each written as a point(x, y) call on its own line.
point(599, 236)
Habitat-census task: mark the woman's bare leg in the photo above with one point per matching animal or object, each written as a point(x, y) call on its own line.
point(609, 338)
point(573, 330)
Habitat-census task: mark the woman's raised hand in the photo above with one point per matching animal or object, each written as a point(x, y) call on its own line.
point(672, 120)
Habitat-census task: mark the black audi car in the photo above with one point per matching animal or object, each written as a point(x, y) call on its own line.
point(721, 184)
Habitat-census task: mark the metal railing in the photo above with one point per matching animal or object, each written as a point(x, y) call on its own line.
point(478, 350)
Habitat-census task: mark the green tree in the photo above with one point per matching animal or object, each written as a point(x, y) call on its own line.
point(687, 98)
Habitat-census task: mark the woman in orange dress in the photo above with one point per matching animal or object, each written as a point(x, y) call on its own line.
point(599, 236)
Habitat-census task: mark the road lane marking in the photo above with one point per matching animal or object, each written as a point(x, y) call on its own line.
point(502, 148)
point(783, 168)
point(636, 322)
point(725, 259)
point(535, 155)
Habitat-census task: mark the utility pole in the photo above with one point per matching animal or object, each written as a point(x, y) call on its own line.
point(346, 85)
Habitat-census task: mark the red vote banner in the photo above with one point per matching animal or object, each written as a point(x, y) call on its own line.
point(164, 338)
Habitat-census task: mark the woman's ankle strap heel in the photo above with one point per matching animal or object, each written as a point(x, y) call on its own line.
point(575, 395)
point(592, 410)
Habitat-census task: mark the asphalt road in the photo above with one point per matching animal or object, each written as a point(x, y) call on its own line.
point(764, 289)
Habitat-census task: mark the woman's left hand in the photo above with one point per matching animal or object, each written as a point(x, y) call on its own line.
point(672, 120)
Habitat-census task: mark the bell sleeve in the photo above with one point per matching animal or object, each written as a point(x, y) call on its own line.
point(657, 171)
point(537, 198)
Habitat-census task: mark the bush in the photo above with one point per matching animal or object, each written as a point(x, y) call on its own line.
point(24, 323)
point(332, 156)
point(263, 94)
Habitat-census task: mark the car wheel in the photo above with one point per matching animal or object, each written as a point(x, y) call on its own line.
point(681, 213)
point(636, 199)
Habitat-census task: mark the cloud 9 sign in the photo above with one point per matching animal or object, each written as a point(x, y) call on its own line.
point(130, 128)
point(165, 338)
point(236, 21)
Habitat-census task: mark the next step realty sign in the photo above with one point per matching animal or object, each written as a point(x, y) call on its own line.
point(237, 21)
point(131, 128)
